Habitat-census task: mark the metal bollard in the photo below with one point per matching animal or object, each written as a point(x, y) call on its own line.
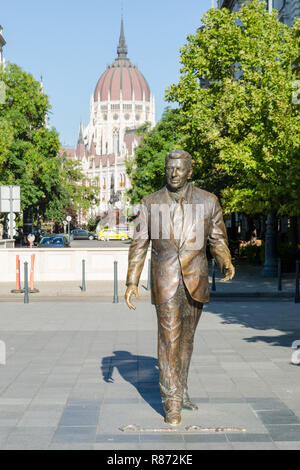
point(83, 287)
point(213, 287)
point(18, 277)
point(116, 298)
point(26, 296)
point(279, 275)
point(149, 275)
point(297, 294)
point(20, 288)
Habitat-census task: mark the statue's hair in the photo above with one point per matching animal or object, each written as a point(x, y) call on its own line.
point(182, 154)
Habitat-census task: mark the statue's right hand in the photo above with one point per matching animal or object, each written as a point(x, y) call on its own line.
point(131, 290)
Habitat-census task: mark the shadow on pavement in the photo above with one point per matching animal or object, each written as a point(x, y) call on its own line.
point(139, 371)
point(268, 316)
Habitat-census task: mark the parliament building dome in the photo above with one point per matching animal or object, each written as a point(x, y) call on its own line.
point(122, 79)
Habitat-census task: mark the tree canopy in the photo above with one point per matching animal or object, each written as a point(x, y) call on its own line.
point(240, 115)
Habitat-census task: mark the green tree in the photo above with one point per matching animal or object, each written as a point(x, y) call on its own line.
point(29, 152)
point(81, 192)
point(6, 138)
point(146, 169)
point(243, 127)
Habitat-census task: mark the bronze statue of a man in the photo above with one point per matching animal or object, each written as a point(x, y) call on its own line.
point(178, 220)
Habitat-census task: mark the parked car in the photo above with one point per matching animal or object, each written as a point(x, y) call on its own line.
point(112, 234)
point(39, 234)
point(22, 239)
point(54, 241)
point(129, 229)
point(80, 234)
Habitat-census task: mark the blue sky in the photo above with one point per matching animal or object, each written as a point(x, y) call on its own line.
point(70, 43)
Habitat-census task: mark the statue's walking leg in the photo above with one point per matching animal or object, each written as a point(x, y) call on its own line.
point(191, 313)
point(169, 334)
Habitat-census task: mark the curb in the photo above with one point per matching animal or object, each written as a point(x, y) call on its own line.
point(228, 297)
point(252, 296)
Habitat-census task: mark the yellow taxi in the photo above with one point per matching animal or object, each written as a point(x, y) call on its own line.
point(112, 234)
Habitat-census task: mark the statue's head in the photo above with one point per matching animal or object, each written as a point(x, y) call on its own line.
point(178, 169)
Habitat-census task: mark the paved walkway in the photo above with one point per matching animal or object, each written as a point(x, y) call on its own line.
point(77, 375)
point(248, 283)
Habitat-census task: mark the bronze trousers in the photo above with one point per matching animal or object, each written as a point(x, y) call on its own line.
point(177, 321)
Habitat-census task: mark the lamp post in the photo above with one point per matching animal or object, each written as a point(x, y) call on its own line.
point(270, 6)
point(271, 265)
point(38, 225)
point(68, 219)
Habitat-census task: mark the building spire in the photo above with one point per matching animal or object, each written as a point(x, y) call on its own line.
point(122, 47)
point(42, 84)
point(80, 137)
point(2, 44)
point(46, 122)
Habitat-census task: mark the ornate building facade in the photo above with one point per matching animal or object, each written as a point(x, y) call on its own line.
point(2, 44)
point(288, 10)
point(121, 103)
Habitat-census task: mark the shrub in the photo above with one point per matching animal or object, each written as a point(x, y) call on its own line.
point(288, 253)
point(254, 253)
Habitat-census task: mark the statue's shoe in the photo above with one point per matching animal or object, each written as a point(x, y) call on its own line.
point(188, 404)
point(172, 410)
point(173, 418)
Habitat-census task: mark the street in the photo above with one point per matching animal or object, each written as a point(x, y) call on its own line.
point(99, 244)
point(95, 244)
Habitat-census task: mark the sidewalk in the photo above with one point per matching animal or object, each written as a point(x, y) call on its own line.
point(85, 377)
point(248, 283)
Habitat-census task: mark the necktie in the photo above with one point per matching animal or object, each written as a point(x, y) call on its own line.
point(178, 220)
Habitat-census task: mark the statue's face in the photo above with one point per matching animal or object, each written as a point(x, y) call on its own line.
point(177, 173)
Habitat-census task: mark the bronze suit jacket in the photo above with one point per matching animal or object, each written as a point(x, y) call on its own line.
point(170, 257)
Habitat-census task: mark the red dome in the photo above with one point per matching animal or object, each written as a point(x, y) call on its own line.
point(122, 75)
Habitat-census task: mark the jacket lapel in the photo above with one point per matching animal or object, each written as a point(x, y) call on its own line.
point(188, 221)
point(166, 200)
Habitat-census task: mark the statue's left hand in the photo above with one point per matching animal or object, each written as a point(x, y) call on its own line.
point(229, 272)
